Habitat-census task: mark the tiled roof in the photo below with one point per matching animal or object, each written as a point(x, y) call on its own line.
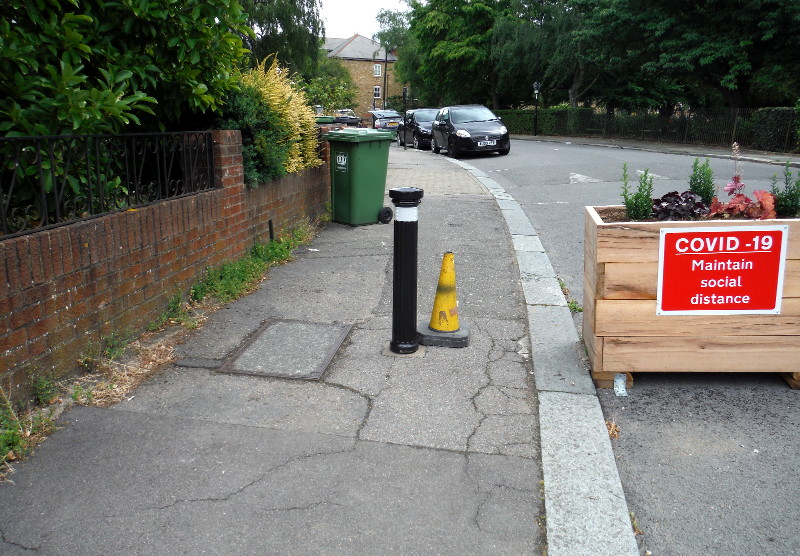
point(356, 48)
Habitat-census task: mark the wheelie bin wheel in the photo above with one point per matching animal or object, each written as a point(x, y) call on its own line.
point(385, 215)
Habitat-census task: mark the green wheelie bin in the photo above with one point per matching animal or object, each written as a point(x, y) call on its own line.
point(359, 159)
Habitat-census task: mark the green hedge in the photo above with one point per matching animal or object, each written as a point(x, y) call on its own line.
point(771, 126)
point(551, 121)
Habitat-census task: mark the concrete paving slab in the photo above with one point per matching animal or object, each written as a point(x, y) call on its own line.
point(288, 349)
point(251, 401)
point(253, 491)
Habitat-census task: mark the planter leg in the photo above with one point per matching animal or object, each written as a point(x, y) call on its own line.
point(605, 380)
point(793, 379)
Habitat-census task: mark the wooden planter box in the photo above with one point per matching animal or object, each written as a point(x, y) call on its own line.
point(624, 334)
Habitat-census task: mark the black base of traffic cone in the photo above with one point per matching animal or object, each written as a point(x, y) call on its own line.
point(428, 337)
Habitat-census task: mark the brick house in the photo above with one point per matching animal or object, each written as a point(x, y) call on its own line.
point(371, 68)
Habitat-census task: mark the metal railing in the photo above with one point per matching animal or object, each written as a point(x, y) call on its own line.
point(769, 129)
point(51, 180)
point(755, 128)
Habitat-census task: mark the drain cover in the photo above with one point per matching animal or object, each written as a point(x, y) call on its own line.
point(288, 349)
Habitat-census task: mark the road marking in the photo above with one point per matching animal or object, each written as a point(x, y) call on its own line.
point(580, 178)
point(652, 175)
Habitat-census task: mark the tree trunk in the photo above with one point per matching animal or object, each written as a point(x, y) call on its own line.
point(493, 91)
point(575, 92)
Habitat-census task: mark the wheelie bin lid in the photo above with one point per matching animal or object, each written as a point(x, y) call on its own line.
point(358, 135)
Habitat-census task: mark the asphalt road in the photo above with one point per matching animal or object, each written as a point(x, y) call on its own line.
point(708, 461)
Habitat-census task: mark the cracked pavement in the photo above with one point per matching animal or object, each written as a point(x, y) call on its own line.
point(434, 454)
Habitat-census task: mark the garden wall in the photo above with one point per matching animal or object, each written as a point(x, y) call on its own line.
point(64, 289)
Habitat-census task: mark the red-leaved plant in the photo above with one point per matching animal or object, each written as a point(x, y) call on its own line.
point(740, 205)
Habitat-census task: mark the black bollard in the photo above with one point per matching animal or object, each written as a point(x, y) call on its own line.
point(404, 291)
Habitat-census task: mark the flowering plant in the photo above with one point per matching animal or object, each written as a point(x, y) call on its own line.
point(740, 205)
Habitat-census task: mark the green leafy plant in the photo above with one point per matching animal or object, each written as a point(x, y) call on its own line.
point(701, 182)
point(176, 312)
point(232, 280)
point(44, 388)
point(679, 206)
point(19, 432)
point(101, 64)
point(787, 199)
point(81, 395)
point(109, 348)
point(638, 204)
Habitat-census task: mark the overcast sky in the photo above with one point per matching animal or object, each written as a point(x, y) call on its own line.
point(345, 18)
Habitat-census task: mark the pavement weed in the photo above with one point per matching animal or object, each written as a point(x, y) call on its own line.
point(44, 388)
point(20, 430)
point(574, 306)
point(175, 313)
point(232, 280)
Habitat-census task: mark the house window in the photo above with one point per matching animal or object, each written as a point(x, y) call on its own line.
point(376, 70)
point(376, 91)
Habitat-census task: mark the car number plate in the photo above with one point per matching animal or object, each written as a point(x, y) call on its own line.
point(487, 143)
point(392, 124)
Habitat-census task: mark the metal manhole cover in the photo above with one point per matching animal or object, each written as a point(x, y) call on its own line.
point(288, 349)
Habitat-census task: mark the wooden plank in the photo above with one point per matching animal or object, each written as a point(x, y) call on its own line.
point(589, 303)
point(594, 345)
point(640, 280)
point(627, 243)
point(734, 354)
point(638, 318)
point(791, 279)
point(589, 244)
point(638, 241)
point(594, 350)
point(630, 281)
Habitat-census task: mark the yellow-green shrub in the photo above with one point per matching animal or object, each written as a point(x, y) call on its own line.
point(277, 89)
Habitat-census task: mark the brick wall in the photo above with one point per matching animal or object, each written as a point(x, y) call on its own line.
point(362, 73)
point(64, 288)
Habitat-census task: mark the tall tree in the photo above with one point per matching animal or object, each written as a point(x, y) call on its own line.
point(541, 40)
point(332, 85)
point(454, 41)
point(717, 50)
point(291, 29)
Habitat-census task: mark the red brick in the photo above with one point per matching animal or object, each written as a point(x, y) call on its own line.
point(37, 294)
point(23, 262)
point(41, 327)
point(37, 346)
point(24, 316)
point(13, 339)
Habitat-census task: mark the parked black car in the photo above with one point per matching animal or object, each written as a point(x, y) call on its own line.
point(467, 129)
point(345, 116)
point(418, 127)
point(386, 120)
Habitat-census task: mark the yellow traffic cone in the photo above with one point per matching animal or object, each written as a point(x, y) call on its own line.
point(444, 328)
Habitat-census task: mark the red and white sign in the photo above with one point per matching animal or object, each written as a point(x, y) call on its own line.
point(735, 270)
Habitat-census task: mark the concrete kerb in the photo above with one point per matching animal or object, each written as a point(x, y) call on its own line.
point(584, 501)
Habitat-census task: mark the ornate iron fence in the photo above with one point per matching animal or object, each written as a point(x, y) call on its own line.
point(51, 180)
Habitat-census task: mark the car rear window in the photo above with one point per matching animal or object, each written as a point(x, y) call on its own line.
point(425, 115)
